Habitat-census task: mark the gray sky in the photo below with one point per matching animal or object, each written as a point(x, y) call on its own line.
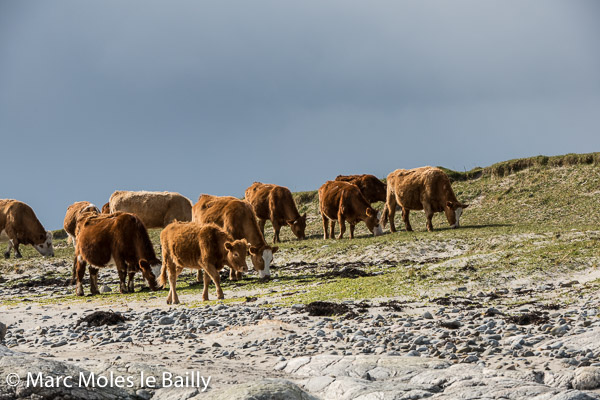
point(209, 96)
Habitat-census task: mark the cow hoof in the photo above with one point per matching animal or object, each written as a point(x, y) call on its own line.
point(18, 255)
point(7, 255)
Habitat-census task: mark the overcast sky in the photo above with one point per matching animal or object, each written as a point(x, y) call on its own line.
point(209, 96)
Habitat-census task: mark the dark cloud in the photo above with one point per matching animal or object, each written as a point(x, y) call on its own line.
point(199, 96)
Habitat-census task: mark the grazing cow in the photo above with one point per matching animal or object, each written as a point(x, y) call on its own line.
point(119, 239)
point(425, 188)
point(74, 210)
point(343, 201)
point(370, 186)
point(275, 203)
point(106, 208)
point(237, 218)
point(155, 209)
point(201, 247)
point(19, 225)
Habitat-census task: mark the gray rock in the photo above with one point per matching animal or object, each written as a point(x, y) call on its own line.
point(586, 378)
point(267, 389)
point(166, 321)
point(2, 331)
point(105, 289)
point(22, 364)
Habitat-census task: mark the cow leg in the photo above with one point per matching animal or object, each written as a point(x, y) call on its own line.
point(261, 225)
point(212, 272)
point(390, 209)
point(16, 248)
point(206, 284)
point(80, 267)
point(233, 275)
point(342, 226)
point(429, 216)
point(122, 271)
point(332, 229)
point(199, 276)
point(173, 272)
point(325, 227)
point(405, 218)
point(352, 231)
point(93, 280)
point(7, 252)
point(130, 282)
point(276, 230)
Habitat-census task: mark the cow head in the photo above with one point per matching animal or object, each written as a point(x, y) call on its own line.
point(261, 259)
point(453, 212)
point(298, 227)
point(150, 270)
point(372, 222)
point(236, 255)
point(44, 246)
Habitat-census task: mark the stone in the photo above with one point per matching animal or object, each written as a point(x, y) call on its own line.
point(105, 289)
point(586, 378)
point(2, 331)
point(166, 321)
point(266, 389)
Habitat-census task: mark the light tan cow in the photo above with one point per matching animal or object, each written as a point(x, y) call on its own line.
point(155, 209)
point(425, 188)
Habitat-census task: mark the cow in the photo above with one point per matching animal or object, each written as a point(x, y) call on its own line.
point(202, 247)
point(73, 211)
point(155, 209)
point(119, 239)
point(19, 225)
point(342, 201)
point(237, 218)
point(370, 186)
point(425, 188)
point(275, 203)
point(106, 208)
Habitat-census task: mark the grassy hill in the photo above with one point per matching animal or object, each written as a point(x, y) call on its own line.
point(529, 220)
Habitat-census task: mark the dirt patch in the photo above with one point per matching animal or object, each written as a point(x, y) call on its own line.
point(325, 309)
point(43, 281)
point(534, 317)
point(100, 318)
point(345, 272)
point(456, 301)
point(392, 305)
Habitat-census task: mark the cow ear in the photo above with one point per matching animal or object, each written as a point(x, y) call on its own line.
point(464, 205)
point(254, 250)
point(303, 217)
point(370, 212)
point(274, 249)
point(228, 246)
point(449, 204)
point(290, 222)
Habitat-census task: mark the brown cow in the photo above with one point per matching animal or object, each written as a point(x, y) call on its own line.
point(202, 247)
point(106, 208)
point(370, 186)
point(74, 210)
point(120, 239)
point(425, 188)
point(238, 219)
point(275, 203)
point(155, 209)
point(19, 225)
point(343, 201)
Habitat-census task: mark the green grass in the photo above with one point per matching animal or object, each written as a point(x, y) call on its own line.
point(523, 222)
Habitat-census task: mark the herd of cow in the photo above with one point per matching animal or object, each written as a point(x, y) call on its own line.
point(219, 231)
